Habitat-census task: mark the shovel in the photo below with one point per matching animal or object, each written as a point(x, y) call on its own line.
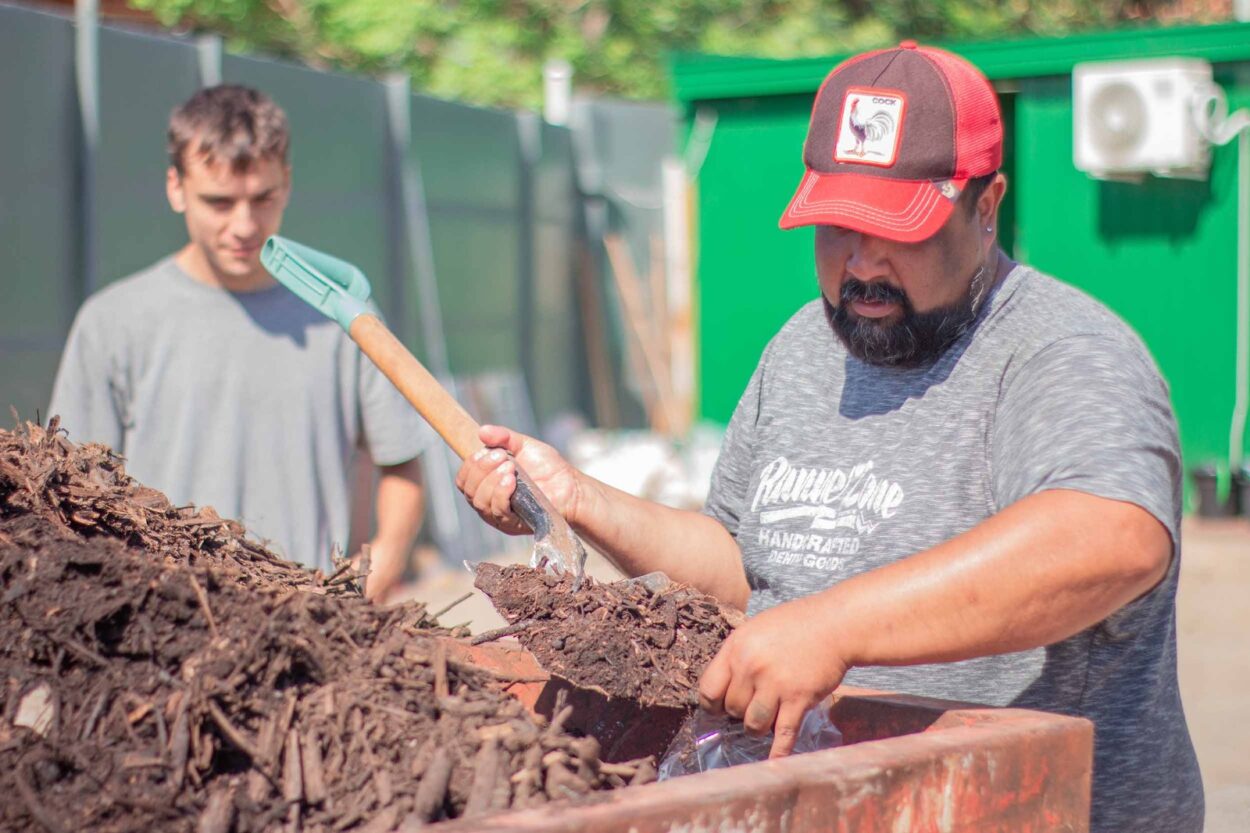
point(341, 292)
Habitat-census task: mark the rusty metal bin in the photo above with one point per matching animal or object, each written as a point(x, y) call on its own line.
point(907, 764)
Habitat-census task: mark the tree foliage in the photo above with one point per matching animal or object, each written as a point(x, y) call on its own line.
point(492, 51)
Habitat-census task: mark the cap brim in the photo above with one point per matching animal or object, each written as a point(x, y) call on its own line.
point(904, 210)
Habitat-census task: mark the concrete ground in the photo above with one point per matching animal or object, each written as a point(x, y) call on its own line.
point(1213, 620)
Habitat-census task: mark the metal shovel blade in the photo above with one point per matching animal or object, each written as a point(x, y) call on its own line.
point(556, 545)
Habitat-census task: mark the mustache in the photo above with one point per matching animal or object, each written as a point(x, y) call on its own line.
point(854, 289)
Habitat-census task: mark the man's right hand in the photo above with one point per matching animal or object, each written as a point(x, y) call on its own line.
point(636, 535)
point(488, 478)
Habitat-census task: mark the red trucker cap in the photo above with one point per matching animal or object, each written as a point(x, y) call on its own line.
point(895, 136)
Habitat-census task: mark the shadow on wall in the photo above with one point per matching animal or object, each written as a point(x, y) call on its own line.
point(1157, 208)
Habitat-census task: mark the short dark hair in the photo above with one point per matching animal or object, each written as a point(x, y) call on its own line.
point(973, 191)
point(228, 123)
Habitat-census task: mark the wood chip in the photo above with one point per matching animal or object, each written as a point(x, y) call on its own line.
point(218, 814)
point(311, 766)
point(37, 710)
point(292, 774)
point(441, 687)
point(428, 802)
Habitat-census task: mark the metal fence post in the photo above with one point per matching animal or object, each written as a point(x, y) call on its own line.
point(415, 225)
point(208, 57)
point(529, 137)
point(399, 243)
point(87, 75)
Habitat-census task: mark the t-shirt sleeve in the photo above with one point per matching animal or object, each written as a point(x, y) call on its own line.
point(731, 477)
point(1092, 414)
point(90, 393)
point(394, 431)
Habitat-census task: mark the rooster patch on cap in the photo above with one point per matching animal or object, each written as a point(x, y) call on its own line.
point(870, 127)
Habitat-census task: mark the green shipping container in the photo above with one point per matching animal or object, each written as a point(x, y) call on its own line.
point(1162, 254)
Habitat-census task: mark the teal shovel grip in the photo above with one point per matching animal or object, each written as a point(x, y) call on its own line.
point(334, 287)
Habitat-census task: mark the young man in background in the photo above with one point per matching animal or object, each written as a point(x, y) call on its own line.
point(222, 388)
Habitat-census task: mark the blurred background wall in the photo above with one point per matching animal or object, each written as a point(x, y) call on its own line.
point(498, 224)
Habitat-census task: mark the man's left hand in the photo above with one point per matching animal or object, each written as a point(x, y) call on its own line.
point(772, 669)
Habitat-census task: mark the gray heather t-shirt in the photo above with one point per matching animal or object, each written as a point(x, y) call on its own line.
point(832, 467)
point(251, 403)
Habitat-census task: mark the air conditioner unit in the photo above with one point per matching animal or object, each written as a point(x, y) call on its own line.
point(1131, 118)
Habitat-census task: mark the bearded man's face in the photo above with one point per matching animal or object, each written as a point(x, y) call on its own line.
point(904, 304)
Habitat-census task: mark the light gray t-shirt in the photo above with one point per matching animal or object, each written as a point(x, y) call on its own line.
point(252, 403)
point(832, 467)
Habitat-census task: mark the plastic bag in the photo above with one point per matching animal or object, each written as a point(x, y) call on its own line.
point(706, 741)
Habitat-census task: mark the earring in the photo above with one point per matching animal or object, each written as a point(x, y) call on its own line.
point(989, 228)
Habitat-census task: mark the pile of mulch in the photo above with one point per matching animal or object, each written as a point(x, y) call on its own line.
point(630, 639)
point(84, 489)
point(158, 670)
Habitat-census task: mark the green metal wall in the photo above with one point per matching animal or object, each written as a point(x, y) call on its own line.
point(751, 275)
point(1161, 254)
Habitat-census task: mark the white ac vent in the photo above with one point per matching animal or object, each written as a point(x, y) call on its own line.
point(1132, 118)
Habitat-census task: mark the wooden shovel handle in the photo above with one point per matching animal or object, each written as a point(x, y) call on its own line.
point(418, 385)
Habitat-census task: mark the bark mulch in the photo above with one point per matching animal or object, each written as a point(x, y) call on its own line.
point(160, 670)
point(622, 639)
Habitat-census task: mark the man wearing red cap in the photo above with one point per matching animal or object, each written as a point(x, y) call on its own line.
point(950, 474)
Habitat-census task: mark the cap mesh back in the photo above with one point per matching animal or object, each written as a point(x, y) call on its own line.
point(978, 123)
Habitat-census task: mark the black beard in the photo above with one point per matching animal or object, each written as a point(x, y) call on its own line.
point(919, 339)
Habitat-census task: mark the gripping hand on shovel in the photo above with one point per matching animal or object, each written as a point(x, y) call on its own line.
point(488, 477)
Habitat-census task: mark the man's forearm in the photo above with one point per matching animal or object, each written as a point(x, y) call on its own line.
point(399, 509)
point(400, 500)
point(641, 536)
point(1038, 572)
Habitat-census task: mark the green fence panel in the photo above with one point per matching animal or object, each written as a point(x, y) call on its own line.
point(38, 219)
point(478, 278)
point(557, 367)
point(470, 156)
point(142, 79)
point(470, 162)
